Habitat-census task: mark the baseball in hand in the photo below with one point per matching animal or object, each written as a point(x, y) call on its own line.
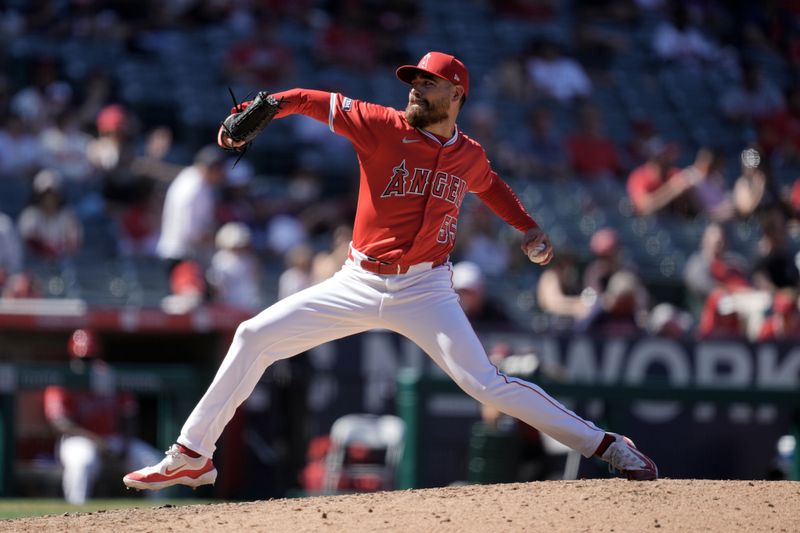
point(533, 253)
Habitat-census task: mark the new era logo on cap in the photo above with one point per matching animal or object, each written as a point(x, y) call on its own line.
point(438, 64)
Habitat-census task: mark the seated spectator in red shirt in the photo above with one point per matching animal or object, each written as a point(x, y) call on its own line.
point(784, 321)
point(591, 153)
point(657, 185)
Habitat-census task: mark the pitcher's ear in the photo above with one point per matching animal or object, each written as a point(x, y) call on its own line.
point(458, 94)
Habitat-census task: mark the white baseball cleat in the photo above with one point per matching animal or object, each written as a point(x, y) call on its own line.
point(623, 455)
point(176, 468)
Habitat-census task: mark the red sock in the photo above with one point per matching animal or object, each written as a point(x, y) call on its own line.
point(604, 444)
point(186, 451)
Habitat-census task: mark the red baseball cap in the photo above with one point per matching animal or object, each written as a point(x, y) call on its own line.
point(441, 65)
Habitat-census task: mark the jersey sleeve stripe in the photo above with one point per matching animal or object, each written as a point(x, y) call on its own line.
point(330, 111)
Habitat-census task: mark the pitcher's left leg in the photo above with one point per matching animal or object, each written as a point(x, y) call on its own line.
point(439, 326)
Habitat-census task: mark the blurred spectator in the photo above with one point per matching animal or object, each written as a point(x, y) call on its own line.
point(678, 39)
point(540, 148)
point(65, 146)
point(555, 75)
point(658, 185)
point(755, 189)
point(326, 263)
point(512, 81)
point(591, 152)
point(779, 133)
point(95, 424)
point(10, 249)
point(300, 211)
point(331, 154)
point(600, 34)
point(794, 199)
point(711, 198)
point(187, 222)
point(483, 126)
point(139, 227)
point(469, 282)
point(20, 150)
point(529, 10)
point(783, 323)
point(236, 202)
point(297, 275)
point(753, 99)
point(608, 259)
point(284, 232)
point(479, 242)
point(48, 226)
point(45, 97)
point(348, 41)
point(616, 312)
point(187, 286)
point(719, 317)
point(558, 290)
point(260, 59)
point(667, 320)
point(112, 153)
point(643, 138)
point(776, 267)
point(152, 160)
point(21, 285)
point(139, 220)
point(97, 89)
point(712, 266)
point(235, 272)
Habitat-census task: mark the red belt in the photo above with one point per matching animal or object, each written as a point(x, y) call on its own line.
point(386, 269)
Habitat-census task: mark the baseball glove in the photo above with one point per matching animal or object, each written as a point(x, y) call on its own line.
point(246, 121)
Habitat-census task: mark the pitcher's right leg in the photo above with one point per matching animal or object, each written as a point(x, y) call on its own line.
point(333, 309)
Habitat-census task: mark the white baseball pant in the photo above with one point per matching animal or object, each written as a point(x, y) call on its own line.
point(421, 305)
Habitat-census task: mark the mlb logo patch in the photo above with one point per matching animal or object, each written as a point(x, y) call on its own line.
point(346, 104)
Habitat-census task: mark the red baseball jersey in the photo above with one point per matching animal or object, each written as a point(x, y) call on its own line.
point(412, 183)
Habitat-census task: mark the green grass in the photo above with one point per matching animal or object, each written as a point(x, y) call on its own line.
point(22, 507)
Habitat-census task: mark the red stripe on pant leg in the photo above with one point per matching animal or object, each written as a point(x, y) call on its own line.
point(549, 400)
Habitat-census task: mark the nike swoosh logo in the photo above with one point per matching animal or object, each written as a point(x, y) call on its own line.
point(167, 471)
point(407, 141)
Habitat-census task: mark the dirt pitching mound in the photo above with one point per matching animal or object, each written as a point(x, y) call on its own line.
point(587, 505)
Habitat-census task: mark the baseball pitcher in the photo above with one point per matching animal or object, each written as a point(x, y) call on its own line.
point(416, 167)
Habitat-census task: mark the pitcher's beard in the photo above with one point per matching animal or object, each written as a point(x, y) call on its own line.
point(422, 116)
